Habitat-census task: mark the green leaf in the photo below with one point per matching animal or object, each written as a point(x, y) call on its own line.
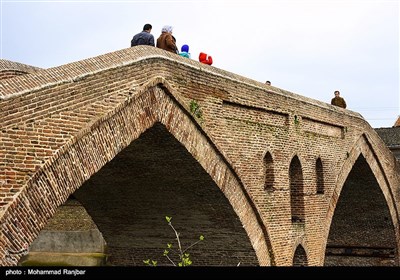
point(183, 257)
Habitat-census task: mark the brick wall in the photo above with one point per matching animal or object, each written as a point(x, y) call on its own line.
point(10, 69)
point(62, 125)
point(152, 178)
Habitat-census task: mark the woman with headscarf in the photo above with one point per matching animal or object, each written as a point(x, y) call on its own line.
point(166, 40)
point(185, 51)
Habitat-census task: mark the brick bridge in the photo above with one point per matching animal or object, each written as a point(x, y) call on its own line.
point(269, 177)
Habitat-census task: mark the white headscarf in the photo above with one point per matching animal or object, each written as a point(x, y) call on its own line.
point(167, 28)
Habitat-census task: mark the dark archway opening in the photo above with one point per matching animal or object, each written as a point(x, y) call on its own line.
point(300, 257)
point(319, 170)
point(362, 232)
point(296, 191)
point(155, 177)
point(269, 172)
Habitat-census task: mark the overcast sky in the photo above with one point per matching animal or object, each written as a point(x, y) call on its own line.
point(311, 48)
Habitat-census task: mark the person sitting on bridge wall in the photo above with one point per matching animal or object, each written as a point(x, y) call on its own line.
point(166, 41)
point(144, 37)
point(185, 51)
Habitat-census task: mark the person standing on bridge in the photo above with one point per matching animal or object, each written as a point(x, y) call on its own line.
point(338, 101)
point(144, 37)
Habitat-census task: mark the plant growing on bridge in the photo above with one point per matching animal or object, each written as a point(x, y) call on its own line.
point(184, 257)
point(296, 120)
point(195, 110)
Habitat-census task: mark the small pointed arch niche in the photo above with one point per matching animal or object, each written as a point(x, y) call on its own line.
point(300, 257)
point(296, 190)
point(319, 172)
point(269, 177)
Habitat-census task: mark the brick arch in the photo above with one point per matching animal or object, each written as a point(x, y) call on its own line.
point(363, 147)
point(300, 256)
point(94, 146)
point(296, 181)
point(319, 172)
point(269, 174)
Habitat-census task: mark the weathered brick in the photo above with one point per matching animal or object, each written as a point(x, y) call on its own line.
point(77, 117)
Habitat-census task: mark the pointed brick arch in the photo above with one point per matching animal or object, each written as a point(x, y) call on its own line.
point(364, 148)
point(269, 172)
point(319, 171)
point(94, 146)
point(300, 256)
point(296, 190)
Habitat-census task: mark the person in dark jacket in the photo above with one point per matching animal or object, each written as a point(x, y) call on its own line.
point(338, 101)
point(166, 41)
point(144, 37)
point(204, 59)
